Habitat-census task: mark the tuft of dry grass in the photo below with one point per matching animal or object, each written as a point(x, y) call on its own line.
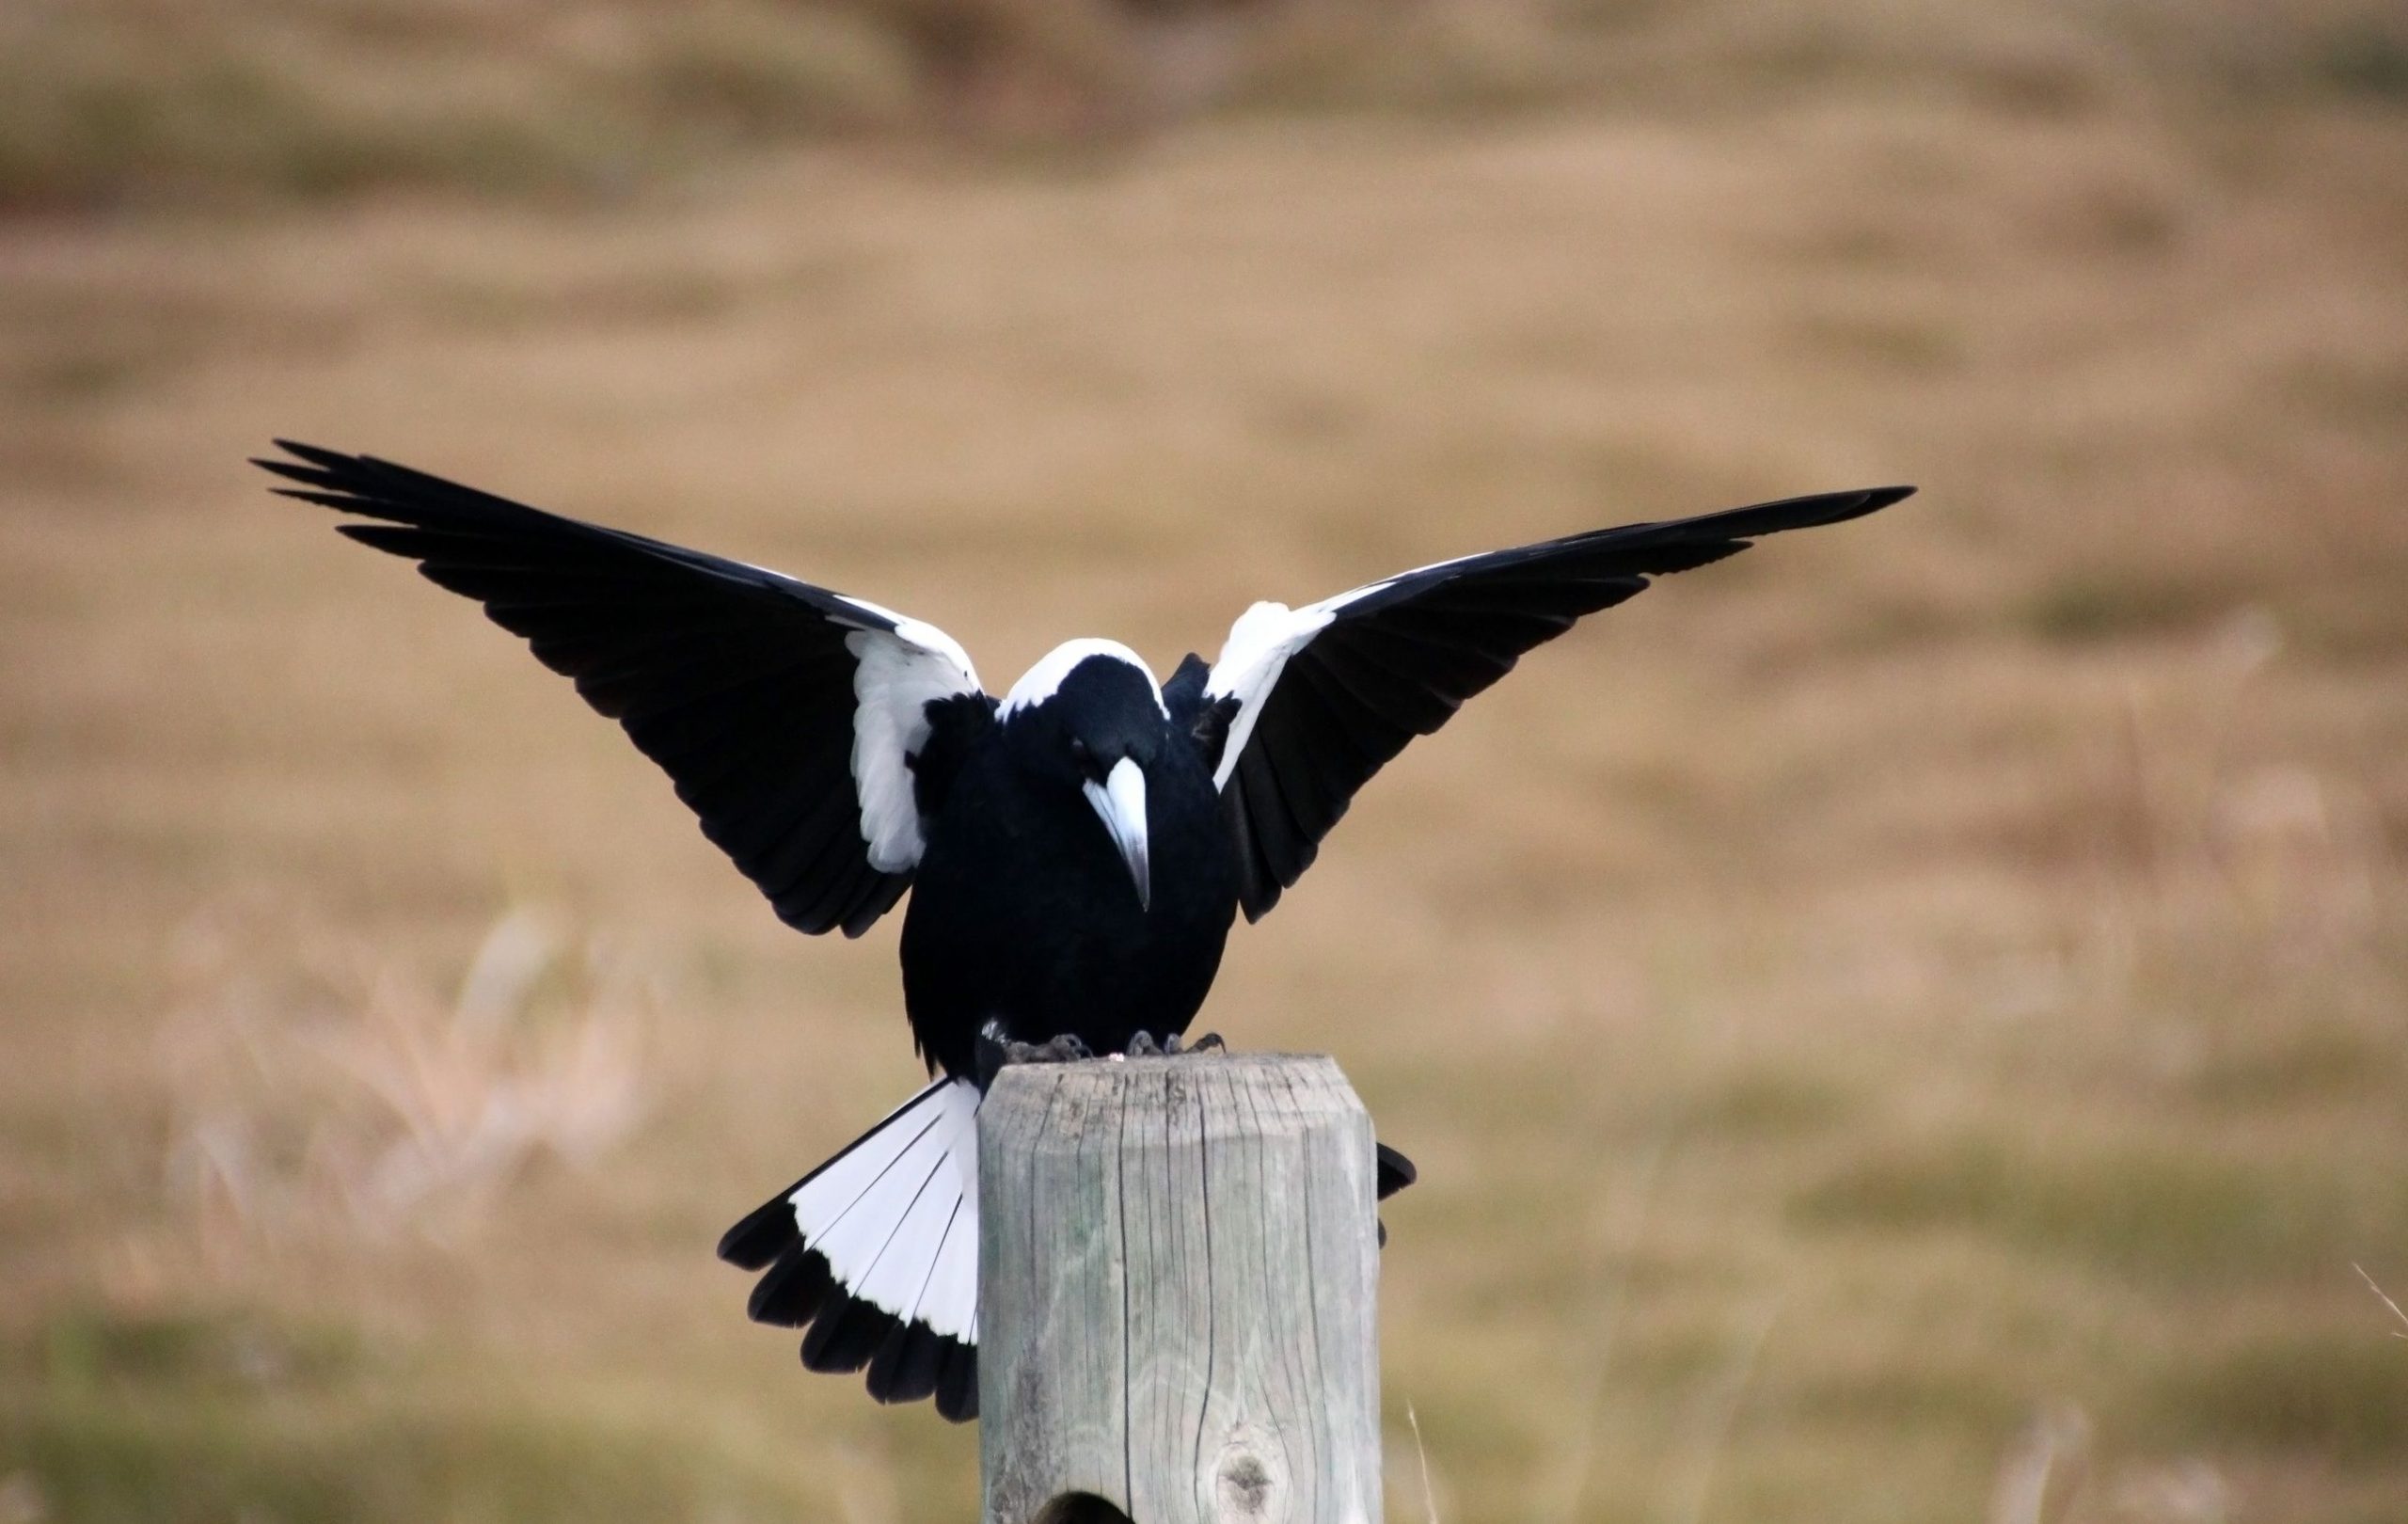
point(2384, 1297)
point(351, 1102)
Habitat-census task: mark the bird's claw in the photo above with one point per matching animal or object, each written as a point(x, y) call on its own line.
point(1064, 1049)
point(1145, 1045)
point(997, 1051)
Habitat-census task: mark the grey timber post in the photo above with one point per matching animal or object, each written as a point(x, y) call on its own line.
point(1177, 1281)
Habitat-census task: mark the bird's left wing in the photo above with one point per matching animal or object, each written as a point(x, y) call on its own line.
point(1305, 704)
point(808, 730)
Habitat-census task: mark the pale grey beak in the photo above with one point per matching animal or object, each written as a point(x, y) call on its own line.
point(1120, 802)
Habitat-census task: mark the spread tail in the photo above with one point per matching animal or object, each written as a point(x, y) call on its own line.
point(876, 1253)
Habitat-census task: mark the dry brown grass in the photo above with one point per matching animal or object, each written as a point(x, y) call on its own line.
point(1907, 1025)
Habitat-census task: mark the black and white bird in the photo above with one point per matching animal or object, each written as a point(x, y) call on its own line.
point(1075, 853)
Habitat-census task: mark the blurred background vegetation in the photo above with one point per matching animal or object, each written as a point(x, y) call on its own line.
point(1911, 1025)
point(113, 102)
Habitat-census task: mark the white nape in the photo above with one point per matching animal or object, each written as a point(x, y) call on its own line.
point(1043, 680)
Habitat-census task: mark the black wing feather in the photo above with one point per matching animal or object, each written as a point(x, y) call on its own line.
point(736, 681)
point(1397, 660)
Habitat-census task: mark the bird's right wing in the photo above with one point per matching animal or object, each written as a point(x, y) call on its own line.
point(808, 730)
point(1305, 704)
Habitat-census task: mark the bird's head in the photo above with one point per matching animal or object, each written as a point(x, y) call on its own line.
point(1089, 716)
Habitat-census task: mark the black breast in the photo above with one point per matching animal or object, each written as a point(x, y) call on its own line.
point(1021, 911)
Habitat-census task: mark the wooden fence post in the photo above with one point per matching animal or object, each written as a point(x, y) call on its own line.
point(1177, 1274)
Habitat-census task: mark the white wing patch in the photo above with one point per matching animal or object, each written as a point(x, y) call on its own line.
point(1043, 680)
point(896, 674)
point(1258, 649)
point(896, 1216)
point(1259, 645)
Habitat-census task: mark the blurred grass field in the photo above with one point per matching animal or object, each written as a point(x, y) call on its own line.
point(1911, 1025)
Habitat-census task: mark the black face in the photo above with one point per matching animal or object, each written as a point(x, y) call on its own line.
point(1099, 734)
point(1104, 711)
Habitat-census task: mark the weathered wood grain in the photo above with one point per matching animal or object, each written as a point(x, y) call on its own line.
point(1178, 1273)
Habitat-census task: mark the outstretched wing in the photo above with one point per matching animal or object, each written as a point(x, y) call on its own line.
point(811, 732)
point(1305, 704)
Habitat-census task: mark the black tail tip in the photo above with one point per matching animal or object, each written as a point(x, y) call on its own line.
point(766, 1232)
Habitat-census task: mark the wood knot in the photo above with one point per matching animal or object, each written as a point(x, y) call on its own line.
point(1246, 1485)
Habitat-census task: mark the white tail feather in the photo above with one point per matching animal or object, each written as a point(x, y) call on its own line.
point(897, 1214)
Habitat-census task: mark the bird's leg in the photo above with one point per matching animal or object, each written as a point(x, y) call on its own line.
point(989, 1053)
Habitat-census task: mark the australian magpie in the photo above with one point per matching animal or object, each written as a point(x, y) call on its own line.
point(1075, 853)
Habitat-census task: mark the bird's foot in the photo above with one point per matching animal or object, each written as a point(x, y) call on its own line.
point(997, 1051)
point(1146, 1045)
point(1065, 1049)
